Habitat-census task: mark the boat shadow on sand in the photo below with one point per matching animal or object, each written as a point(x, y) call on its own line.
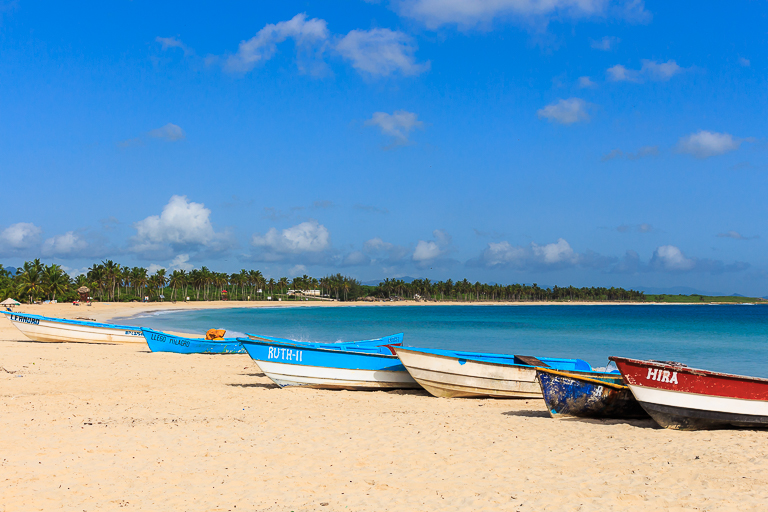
point(255, 385)
point(640, 423)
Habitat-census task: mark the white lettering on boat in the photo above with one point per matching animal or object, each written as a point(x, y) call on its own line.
point(662, 375)
point(25, 320)
point(286, 354)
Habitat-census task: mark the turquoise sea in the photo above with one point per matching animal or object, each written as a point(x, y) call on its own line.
point(729, 338)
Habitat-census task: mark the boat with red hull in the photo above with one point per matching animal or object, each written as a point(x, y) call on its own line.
point(684, 398)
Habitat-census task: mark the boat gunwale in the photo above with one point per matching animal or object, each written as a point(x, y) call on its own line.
point(582, 378)
point(298, 345)
point(687, 369)
point(444, 356)
point(84, 323)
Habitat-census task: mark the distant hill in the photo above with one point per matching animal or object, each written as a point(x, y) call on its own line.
point(678, 290)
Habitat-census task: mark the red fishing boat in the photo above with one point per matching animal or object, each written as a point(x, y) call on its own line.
point(685, 398)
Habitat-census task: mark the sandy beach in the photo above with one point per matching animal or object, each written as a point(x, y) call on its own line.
point(91, 427)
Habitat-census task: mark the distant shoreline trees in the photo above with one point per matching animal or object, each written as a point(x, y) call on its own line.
point(110, 281)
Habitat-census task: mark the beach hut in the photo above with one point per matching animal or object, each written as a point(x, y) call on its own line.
point(83, 292)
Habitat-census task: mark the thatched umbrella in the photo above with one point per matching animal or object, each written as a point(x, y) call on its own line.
point(83, 291)
point(10, 302)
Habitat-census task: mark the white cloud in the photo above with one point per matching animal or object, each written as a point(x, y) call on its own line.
point(650, 71)
point(20, 236)
point(182, 224)
point(426, 251)
point(744, 62)
point(169, 132)
point(558, 252)
point(585, 82)
point(380, 52)
point(67, 244)
point(154, 267)
point(172, 42)
point(669, 257)
point(396, 125)
point(385, 251)
point(356, 258)
point(736, 235)
point(306, 237)
point(555, 255)
point(181, 262)
point(310, 37)
point(470, 13)
point(704, 144)
point(572, 110)
point(297, 270)
point(606, 43)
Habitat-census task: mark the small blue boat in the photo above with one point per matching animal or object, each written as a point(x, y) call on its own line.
point(164, 342)
point(600, 395)
point(369, 364)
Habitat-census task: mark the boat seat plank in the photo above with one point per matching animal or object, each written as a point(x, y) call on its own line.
point(531, 361)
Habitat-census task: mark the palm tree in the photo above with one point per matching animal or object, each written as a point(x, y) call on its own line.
point(55, 280)
point(31, 279)
point(159, 280)
point(177, 280)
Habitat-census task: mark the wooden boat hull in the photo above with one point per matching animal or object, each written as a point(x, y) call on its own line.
point(163, 342)
point(587, 395)
point(453, 376)
point(59, 330)
point(683, 398)
point(324, 377)
point(329, 365)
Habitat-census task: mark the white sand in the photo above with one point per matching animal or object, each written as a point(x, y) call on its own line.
point(107, 427)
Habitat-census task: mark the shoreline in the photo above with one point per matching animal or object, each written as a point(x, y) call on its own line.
point(114, 311)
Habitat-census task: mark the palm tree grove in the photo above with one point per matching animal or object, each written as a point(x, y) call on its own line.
point(111, 282)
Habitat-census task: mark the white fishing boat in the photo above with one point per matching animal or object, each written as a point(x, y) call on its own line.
point(369, 364)
point(452, 374)
point(61, 330)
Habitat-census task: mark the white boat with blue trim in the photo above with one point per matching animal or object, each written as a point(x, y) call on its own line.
point(369, 364)
point(455, 374)
point(61, 330)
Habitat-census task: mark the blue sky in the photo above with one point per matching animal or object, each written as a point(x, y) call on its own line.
point(583, 142)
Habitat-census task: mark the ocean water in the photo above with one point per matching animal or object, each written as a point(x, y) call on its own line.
point(728, 338)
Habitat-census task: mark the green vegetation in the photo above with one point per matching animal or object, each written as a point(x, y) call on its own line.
point(704, 299)
point(110, 281)
point(475, 292)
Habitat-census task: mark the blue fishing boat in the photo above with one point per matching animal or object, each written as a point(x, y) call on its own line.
point(457, 374)
point(599, 395)
point(371, 364)
point(164, 342)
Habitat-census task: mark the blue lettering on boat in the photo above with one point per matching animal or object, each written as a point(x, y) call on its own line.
point(25, 320)
point(133, 333)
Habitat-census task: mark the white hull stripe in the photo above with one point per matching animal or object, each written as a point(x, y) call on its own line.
point(333, 376)
point(700, 402)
